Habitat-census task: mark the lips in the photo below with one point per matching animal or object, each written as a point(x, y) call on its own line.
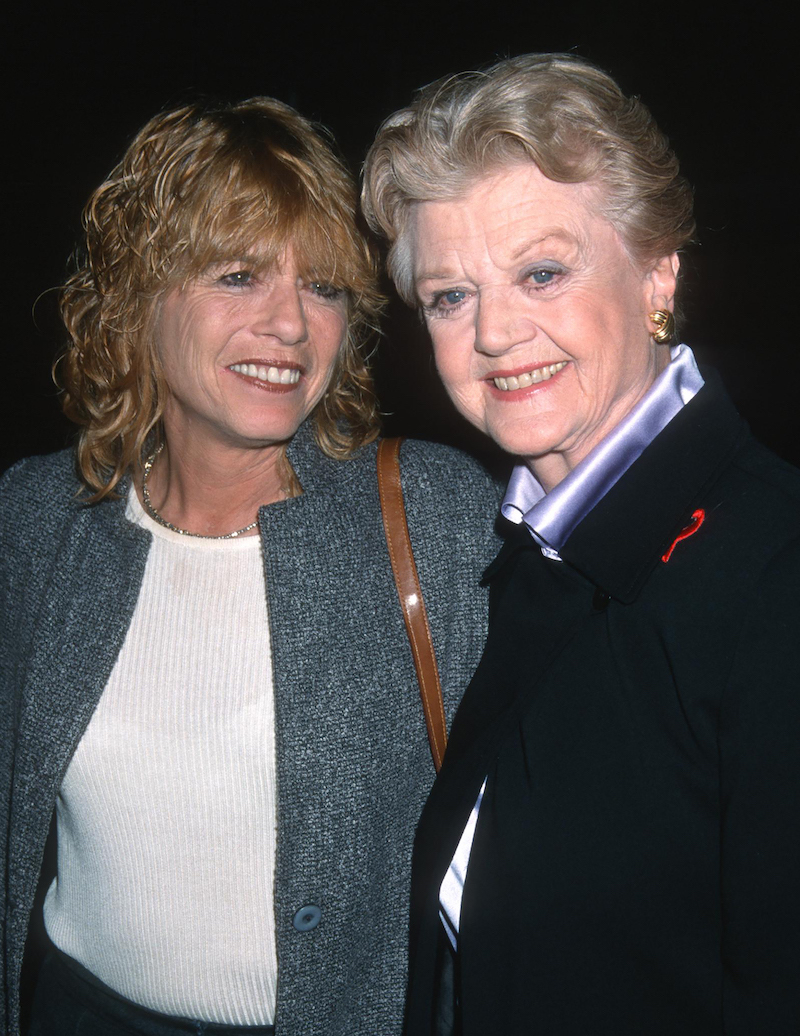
point(527, 378)
point(275, 375)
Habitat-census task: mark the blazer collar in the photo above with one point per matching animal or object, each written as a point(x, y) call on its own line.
point(622, 539)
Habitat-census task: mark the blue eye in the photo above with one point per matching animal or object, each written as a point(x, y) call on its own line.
point(326, 291)
point(542, 276)
point(236, 279)
point(443, 303)
point(444, 300)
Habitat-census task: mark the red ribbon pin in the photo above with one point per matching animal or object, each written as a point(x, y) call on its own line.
point(698, 518)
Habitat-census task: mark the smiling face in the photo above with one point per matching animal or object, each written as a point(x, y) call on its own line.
point(247, 355)
point(539, 319)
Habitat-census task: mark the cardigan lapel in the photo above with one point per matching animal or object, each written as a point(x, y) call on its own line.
point(86, 611)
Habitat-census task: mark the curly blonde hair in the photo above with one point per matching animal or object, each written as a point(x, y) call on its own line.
point(201, 185)
point(562, 113)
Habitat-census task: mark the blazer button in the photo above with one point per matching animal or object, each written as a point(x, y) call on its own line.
point(600, 600)
point(307, 917)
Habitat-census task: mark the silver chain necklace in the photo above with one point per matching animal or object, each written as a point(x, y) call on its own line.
point(148, 504)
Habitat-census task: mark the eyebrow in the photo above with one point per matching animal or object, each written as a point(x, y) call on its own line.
point(239, 261)
point(557, 235)
point(432, 276)
point(551, 235)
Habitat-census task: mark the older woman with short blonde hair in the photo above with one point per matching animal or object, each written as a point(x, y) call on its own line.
point(612, 843)
point(205, 680)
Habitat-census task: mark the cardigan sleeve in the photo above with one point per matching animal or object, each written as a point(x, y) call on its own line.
point(11, 522)
point(760, 810)
point(9, 577)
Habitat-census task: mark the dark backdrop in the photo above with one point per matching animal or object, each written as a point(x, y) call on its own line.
point(718, 77)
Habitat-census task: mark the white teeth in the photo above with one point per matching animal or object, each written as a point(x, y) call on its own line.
point(529, 377)
point(274, 375)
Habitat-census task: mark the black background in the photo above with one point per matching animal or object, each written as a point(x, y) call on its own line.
point(720, 80)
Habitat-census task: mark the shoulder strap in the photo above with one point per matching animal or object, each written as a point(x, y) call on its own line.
point(410, 593)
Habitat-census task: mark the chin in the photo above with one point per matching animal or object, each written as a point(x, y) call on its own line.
point(521, 443)
point(260, 432)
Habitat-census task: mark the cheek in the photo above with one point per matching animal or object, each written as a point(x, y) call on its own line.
point(448, 370)
point(165, 334)
point(452, 357)
point(181, 337)
point(329, 335)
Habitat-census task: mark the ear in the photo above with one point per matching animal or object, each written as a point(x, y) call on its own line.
point(660, 283)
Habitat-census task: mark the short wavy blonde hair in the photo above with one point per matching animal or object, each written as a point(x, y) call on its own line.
point(200, 185)
point(567, 116)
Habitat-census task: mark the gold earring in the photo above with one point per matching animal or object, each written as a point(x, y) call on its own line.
point(665, 325)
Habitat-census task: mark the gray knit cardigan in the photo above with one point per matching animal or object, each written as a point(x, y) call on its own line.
point(353, 760)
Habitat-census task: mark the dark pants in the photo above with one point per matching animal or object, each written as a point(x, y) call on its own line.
point(71, 1002)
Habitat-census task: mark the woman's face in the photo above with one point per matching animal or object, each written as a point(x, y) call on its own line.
point(247, 355)
point(539, 318)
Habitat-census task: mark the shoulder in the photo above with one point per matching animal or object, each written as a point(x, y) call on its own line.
point(452, 504)
point(757, 500)
point(42, 509)
point(768, 476)
point(38, 487)
point(38, 499)
point(756, 491)
point(447, 477)
point(729, 580)
point(430, 472)
point(424, 457)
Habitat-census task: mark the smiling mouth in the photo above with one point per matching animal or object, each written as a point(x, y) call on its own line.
point(529, 377)
point(274, 375)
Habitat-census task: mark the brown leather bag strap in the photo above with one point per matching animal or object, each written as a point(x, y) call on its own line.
point(410, 593)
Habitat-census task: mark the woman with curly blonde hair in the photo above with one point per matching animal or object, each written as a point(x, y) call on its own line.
point(206, 681)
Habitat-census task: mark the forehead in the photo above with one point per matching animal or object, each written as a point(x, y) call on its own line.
point(503, 213)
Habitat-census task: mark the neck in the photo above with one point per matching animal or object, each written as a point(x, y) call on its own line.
point(212, 491)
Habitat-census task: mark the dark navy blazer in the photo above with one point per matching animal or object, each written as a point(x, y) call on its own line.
point(636, 865)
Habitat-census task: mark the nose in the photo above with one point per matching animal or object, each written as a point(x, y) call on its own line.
point(280, 312)
point(500, 323)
